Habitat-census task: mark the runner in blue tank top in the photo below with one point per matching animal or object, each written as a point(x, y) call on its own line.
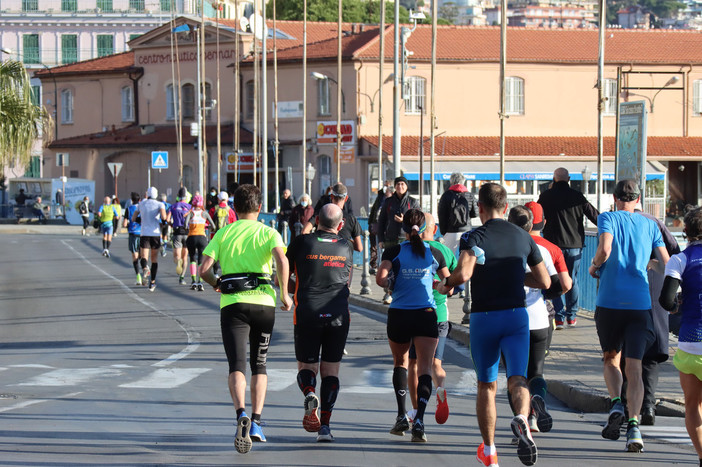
point(408, 269)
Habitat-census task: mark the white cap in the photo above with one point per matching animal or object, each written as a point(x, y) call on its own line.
point(152, 193)
point(223, 195)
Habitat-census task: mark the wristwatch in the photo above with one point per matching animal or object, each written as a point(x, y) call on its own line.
point(596, 266)
point(445, 282)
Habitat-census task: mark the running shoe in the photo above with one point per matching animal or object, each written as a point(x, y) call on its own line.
point(387, 299)
point(311, 420)
point(614, 422)
point(559, 325)
point(104, 252)
point(152, 286)
point(533, 427)
point(107, 253)
point(256, 433)
point(179, 266)
point(138, 279)
point(634, 443)
point(487, 461)
point(145, 272)
point(200, 287)
point(163, 251)
point(544, 421)
point(442, 408)
point(181, 280)
point(193, 285)
point(418, 435)
point(572, 323)
point(242, 441)
point(526, 448)
point(324, 434)
point(401, 425)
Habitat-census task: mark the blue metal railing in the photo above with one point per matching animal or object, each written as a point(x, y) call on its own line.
point(587, 285)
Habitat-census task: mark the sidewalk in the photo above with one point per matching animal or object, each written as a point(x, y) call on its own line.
point(573, 368)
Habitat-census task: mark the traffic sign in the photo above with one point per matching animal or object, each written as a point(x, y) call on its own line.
point(159, 159)
point(115, 167)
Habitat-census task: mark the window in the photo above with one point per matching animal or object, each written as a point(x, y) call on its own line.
point(188, 96)
point(69, 48)
point(323, 107)
point(514, 96)
point(609, 92)
point(66, 106)
point(249, 99)
point(30, 48)
point(105, 5)
point(133, 36)
point(30, 5)
point(171, 99)
point(414, 95)
point(166, 5)
point(127, 104)
point(208, 101)
point(697, 97)
point(137, 5)
point(105, 44)
point(36, 95)
point(34, 167)
point(69, 5)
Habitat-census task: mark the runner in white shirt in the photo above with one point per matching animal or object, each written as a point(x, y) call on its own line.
point(152, 213)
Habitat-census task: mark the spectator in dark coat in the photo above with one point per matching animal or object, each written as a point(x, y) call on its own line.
point(286, 206)
point(392, 213)
point(457, 207)
point(564, 209)
point(300, 214)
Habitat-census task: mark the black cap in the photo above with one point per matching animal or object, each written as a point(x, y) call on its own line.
point(182, 192)
point(627, 190)
point(400, 179)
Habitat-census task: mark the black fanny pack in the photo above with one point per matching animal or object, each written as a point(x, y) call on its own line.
point(182, 230)
point(233, 283)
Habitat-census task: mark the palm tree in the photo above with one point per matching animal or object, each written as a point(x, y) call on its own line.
point(21, 121)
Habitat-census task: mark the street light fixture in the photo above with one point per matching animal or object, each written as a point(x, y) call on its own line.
point(651, 100)
point(321, 76)
point(311, 172)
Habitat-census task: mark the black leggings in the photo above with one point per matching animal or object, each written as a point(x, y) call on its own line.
point(86, 221)
point(538, 343)
point(237, 321)
point(196, 244)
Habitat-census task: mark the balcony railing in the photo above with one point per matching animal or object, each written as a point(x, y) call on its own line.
point(74, 7)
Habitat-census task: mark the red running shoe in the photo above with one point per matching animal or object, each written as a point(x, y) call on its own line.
point(442, 408)
point(310, 421)
point(487, 461)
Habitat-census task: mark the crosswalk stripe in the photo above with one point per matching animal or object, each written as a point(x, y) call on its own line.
point(69, 376)
point(281, 379)
point(23, 404)
point(166, 378)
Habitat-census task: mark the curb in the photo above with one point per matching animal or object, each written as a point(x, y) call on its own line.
point(575, 395)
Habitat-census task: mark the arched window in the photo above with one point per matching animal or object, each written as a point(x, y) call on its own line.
point(324, 170)
point(66, 106)
point(189, 101)
point(514, 95)
point(127, 104)
point(171, 99)
point(188, 178)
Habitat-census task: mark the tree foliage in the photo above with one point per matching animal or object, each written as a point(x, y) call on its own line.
point(659, 8)
point(353, 11)
point(21, 121)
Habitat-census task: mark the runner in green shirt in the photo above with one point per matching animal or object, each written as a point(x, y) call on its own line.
point(244, 250)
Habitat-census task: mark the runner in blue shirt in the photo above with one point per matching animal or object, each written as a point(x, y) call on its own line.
point(134, 230)
point(408, 270)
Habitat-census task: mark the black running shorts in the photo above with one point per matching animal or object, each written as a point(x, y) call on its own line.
point(403, 325)
point(242, 323)
point(329, 335)
point(153, 243)
point(615, 328)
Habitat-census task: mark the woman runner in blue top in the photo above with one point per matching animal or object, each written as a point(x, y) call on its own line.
point(685, 270)
point(408, 270)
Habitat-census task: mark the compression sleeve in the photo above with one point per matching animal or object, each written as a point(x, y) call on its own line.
point(667, 297)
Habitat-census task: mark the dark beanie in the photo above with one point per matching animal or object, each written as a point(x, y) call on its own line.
point(400, 179)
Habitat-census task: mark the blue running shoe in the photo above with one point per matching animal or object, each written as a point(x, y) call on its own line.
point(614, 421)
point(242, 441)
point(634, 442)
point(256, 433)
point(324, 435)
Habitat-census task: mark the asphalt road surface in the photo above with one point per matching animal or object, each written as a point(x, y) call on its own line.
point(97, 371)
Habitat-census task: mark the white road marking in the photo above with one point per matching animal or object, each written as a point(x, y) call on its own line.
point(281, 379)
point(192, 335)
point(166, 378)
point(21, 405)
point(69, 376)
point(668, 434)
point(30, 365)
point(468, 384)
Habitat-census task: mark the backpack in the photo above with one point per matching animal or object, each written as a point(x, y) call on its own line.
point(460, 211)
point(221, 217)
point(83, 208)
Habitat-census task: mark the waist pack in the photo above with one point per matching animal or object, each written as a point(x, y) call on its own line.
point(234, 283)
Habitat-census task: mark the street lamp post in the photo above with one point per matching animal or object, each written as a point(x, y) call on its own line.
point(587, 174)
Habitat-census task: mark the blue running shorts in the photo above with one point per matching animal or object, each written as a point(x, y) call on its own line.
point(498, 332)
point(107, 228)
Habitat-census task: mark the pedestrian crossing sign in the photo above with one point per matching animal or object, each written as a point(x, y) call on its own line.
point(159, 159)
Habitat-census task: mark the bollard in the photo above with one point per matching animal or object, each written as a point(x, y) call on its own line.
point(365, 290)
point(285, 232)
point(272, 223)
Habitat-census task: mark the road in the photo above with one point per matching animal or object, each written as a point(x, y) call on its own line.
point(97, 371)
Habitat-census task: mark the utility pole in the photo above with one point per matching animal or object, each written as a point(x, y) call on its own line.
point(432, 118)
point(304, 96)
point(600, 101)
point(381, 31)
point(396, 136)
point(503, 64)
point(264, 109)
point(338, 98)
